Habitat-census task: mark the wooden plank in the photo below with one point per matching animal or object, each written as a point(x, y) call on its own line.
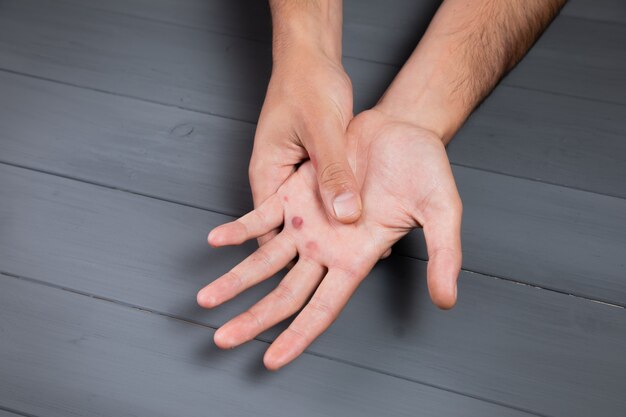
point(576, 143)
point(170, 64)
point(513, 344)
point(383, 31)
point(390, 28)
point(576, 57)
point(546, 137)
point(605, 10)
point(178, 66)
point(65, 354)
point(6, 413)
point(552, 237)
point(153, 149)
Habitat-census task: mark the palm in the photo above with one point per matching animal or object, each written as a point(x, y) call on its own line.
point(406, 182)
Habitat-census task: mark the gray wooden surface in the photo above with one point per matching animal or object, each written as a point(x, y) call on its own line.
point(75, 360)
point(125, 130)
point(200, 161)
point(479, 347)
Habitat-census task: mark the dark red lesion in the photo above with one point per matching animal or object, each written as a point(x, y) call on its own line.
point(297, 222)
point(285, 199)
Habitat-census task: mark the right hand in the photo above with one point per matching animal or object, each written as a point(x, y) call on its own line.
point(305, 115)
point(406, 181)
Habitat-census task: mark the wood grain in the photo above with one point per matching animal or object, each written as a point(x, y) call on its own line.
point(533, 349)
point(170, 63)
point(5, 413)
point(536, 233)
point(552, 138)
point(603, 10)
point(548, 138)
point(382, 31)
point(179, 66)
point(66, 354)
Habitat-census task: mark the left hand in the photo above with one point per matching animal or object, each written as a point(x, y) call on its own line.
point(406, 182)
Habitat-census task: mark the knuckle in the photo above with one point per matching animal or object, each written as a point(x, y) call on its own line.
point(235, 277)
point(334, 175)
point(264, 257)
point(459, 204)
point(260, 217)
point(255, 318)
point(321, 307)
point(285, 294)
point(257, 167)
point(297, 332)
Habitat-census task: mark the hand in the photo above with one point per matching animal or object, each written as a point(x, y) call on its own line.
point(305, 115)
point(406, 182)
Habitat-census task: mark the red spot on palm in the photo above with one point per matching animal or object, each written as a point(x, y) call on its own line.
point(296, 222)
point(311, 245)
point(285, 198)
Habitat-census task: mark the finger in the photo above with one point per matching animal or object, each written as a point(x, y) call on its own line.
point(262, 240)
point(282, 302)
point(266, 176)
point(386, 254)
point(442, 231)
point(337, 183)
point(266, 217)
point(324, 307)
point(262, 264)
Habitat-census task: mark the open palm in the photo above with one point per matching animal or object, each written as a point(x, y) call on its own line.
point(406, 182)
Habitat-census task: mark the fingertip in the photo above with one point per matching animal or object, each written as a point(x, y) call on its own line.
point(213, 238)
point(444, 302)
point(443, 296)
point(222, 339)
point(271, 362)
point(232, 233)
point(443, 274)
point(204, 299)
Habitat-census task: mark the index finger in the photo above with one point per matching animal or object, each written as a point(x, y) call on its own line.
point(265, 179)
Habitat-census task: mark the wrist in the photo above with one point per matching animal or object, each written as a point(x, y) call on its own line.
point(429, 113)
point(306, 27)
point(422, 93)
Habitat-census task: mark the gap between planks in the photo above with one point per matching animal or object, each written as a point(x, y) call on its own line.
point(220, 116)
point(180, 203)
point(121, 304)
point(267, 42)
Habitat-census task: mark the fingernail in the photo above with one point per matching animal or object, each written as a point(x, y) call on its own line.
point(346, 204)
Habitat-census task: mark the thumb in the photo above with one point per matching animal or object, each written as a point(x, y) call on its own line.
point(443, 240)
point(338, 186)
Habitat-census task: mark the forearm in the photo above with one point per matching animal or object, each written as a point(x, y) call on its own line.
point(306, 25)
point(468, 47)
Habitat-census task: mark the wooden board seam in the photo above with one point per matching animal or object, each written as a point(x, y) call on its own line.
point(154, 197)
point(130, 306)
point(219, 116)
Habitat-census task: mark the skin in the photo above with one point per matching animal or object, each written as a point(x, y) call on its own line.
point(307, 108)
point(393, 154)
point(406, 182)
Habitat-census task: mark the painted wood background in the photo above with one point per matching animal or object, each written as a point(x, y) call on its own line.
point(125, 132)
